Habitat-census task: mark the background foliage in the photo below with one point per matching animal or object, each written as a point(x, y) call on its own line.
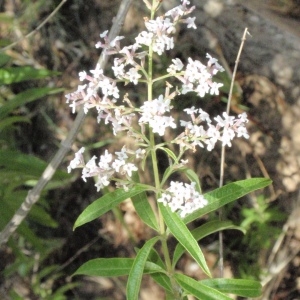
point(34, 119)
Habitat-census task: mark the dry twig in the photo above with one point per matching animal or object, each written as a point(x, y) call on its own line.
point(221, 254)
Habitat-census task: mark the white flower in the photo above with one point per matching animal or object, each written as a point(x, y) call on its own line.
point(105, 160)
point(78, 160)
point(104, 34)
point(97, 72)
point(118, 68)
point(140, 153)
point(144, 38)
point(82, 75)
point(129, 168)
point(228, 120)
point(133, 75)
point(182, 197)
point(242, 131)
point(191, 110)
point(225, 130)
point(90, 168)
point(115, 41)
point(243, 117)
point(204, 116)
point(122, 155)
point(176, 66)
point(227, 136)
point(214, 65)
point(214, 88)
point(190, 22)
point(102, 181)
point(153, 114)
point(117, 164)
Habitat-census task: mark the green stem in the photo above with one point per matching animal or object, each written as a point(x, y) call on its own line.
point(162, 226)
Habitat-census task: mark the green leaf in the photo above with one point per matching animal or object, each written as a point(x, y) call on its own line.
point(107, 202)
point(8, 122)
point(18, 74)
point(12, 200)
point(137, 270)
point(184, 236)
point(199, 290)
point(106, 267)
point(160, 278)
point(144, 210)
point(203, 231)
point(240, 287)
point(4, 59)
point(27, 165)
point(193, 177)
point(26, 97)
point(60, 291)
point(169, 170)
point(112, 267)
point(163, 280)
point(155, 258)
point(143, 207)
point(226, 194)
point(30, 236)
point(169, 152)
point(41, 216)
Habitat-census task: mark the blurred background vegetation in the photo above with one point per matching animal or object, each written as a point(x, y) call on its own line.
point(40, 257)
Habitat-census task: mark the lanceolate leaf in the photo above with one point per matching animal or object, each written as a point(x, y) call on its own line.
point(143, 207)
point(106, 267)
point(144, 210)
point(193, 177)
point(137, 270)
point(107, 202)
point(9, 121)
point(166, 175)
point(26, 97)
point(184, 236)
point(226, 194)
point(163, 280)
point(169, 152)
point(26, 164)
point(199, 290)
point(160, 278)
point(155, 258)
point(240, 287)
point(111, 267)
point(203, 231)
point(18, 74)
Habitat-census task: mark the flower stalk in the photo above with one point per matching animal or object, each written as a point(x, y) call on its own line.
point(152, 120)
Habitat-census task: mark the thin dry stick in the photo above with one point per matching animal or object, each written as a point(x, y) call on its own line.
point(34, 194)
point(36, 29)
point(221, 249)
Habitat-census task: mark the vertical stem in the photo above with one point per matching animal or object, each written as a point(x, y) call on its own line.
point(165, 249)
point(221, 250)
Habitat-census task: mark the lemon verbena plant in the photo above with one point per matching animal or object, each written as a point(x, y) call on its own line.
point(177, 203)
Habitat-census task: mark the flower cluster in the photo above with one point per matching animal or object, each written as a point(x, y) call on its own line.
point(225, 130)
point(152, 113)
point(130, 65)
point(160, 30)
point(182, 197)
point(102, 93)
point(197, 77)
point(107, 166)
